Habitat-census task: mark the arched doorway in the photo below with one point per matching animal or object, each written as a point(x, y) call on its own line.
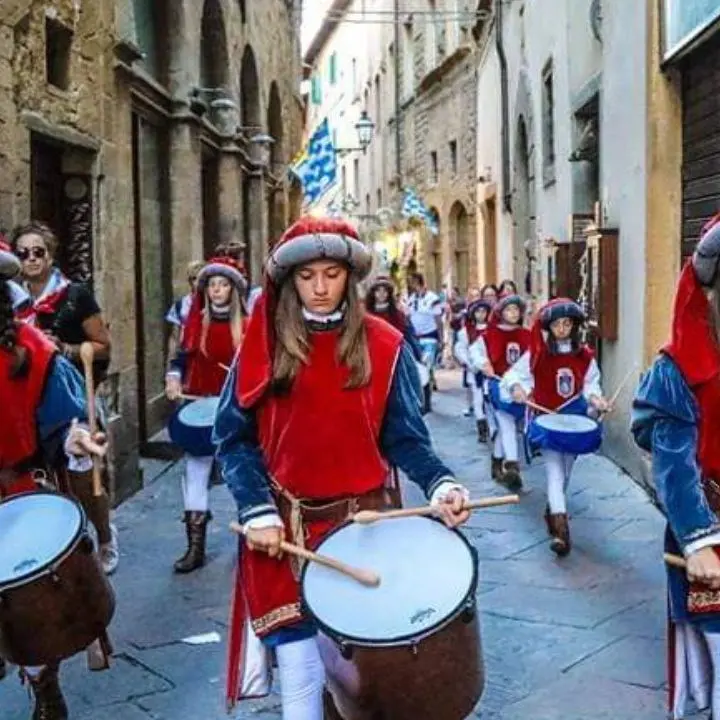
point(253, 192)
point(276, 199)
point(460, 245)
point(524, 215)
point(434, 253)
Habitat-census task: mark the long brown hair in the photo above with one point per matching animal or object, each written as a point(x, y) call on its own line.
point(292, 344)
point(235, 319)
point(713, 296)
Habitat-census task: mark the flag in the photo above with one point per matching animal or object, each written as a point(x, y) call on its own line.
point(414, 207)
point(316, 167)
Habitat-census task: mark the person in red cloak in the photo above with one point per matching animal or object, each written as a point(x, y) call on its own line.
point(559, 371)
point(212, 334)
point(676, 417)
point(42, 396)
point(320, 404)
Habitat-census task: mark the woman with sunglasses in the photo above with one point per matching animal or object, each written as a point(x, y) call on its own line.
point(69, 315)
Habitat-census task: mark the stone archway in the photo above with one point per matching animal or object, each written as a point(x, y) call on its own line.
point(276, 200)
point(214, 58)
point(433, 253)
point(459, 229)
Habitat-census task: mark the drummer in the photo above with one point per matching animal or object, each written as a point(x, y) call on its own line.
point(44, 395)
point(676, 415)
point(494, 353)
point(559, 371)
point(212, 334)
point(322, 403)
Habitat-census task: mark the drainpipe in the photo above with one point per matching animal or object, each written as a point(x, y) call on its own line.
point(504, 106)
point(398, 160)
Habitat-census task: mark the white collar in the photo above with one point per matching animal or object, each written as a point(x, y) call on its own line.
point(333, 317)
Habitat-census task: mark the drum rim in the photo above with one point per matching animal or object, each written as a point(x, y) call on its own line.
point(469, 600)
point(61, 557)
point(578, 431)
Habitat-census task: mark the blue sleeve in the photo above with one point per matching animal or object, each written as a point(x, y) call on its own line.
point(665, 423)
point(178, 363)
point(412, 341)
point(404, 437)
point(62, 401)
point(239, 454)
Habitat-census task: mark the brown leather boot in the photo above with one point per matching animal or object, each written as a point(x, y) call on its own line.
point(496, 468)
point(482, 431)
point(560, 543)
point(511, 477)
point(49, 702)
point(196, 525)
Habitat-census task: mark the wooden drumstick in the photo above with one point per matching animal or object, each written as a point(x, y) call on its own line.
point(616, 394)
point(364, 577)
point(367, 517)
point(540, 408)
point(675, 561)
point(183, 396)
point(87, 354)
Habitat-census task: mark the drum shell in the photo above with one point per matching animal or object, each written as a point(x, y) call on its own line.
point(194, 440)
point(517, 410)
point(572, 443)
point(441, 677)
point(58, 612)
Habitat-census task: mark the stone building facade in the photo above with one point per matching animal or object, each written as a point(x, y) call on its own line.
point(419, 89)
point(136, 129)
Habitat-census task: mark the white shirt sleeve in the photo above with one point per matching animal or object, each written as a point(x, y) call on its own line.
point(592, 386)
point(461, 348)
point(519, 374)
point(478, 354)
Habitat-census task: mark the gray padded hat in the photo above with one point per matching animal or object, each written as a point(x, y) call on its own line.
point(706, 257)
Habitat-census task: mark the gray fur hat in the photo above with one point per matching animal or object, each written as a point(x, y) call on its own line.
point(706, 257)
point(10, 266)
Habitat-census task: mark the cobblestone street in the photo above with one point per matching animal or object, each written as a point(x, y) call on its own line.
point(579, 638)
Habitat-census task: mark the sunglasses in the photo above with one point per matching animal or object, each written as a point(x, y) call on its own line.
point(38, 253)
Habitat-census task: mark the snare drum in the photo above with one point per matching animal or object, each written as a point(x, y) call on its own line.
point(517, 410)
point(191, 425)
point(572, 434)
point(410, 648)
point(54, 597)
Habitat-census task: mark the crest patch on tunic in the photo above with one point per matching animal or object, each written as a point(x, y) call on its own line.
point(512, 353)
point(565, 383)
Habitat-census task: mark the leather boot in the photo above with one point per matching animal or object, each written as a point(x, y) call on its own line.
point(560, 543)
point(511, 477)
point(49, 702)
point(496, 468)
point(196, 525)
point(482, 431)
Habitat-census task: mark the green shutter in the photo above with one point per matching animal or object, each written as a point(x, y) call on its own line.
point(316, 95)
point(333, 69)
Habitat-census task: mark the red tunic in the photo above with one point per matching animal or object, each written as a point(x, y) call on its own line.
point(21, 397)
point(505, 347)
point(321, 441)
point(205, 374)
point(558, 377)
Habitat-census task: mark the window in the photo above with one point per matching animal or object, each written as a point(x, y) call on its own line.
point(378, 102)
point(356, 178)
point(316, 90)
point(344, 179)
point(434, 167)
point(408, 61)
point(367, 204)
point(379, 198)
point(453, 157)
point(548, 124)
point(332, 69)
point(354, 78)
point(58, 46)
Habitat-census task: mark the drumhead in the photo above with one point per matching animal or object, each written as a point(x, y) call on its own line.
point(199, 413)
point(566, 423)
point(35, 530)
point(427, 574)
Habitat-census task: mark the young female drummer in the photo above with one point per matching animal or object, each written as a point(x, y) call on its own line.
point(494, 353)
point(475, 324)
point(321, 403)
point(213, 332)
point(43, 398)
point(560, 372)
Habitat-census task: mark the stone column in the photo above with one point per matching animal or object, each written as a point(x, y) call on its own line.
point(257, 224)
point(230, 198)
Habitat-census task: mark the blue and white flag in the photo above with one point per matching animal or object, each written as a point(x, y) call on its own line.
point(316, 168)
point(414, 207)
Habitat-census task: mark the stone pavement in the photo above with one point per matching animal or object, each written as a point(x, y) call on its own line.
point(579, 638)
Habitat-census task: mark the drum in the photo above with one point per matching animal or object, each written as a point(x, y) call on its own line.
point(573, 434)
point(429, 347)
point(410, 648)
point(190, 427)
point(54, 597)
point(424, 374)
point(517, 410)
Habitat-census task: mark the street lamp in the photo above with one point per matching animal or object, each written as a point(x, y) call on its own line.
point(365, 128)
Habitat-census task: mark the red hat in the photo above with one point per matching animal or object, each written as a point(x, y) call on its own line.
point(504, 301)
point(225, 267)
point(311, 238)
point(9, 264)
point(547, 314)
point(382, 280)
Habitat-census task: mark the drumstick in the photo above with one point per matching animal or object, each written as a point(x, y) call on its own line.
point(183, 396)
point(226, 368)
point(364, 577)
point(366, 517)
point(568, 402)
point(540, 408)
point(87, 354)
point(675, 561)
point(616, 394)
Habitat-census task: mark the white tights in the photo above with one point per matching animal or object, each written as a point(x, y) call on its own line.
point(506, 443)
point(196, 480)
point(558, 467)
point(478, 402)
point(713, 641)
point(302, 679)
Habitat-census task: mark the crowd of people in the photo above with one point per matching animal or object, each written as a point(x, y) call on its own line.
point(317, 383)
